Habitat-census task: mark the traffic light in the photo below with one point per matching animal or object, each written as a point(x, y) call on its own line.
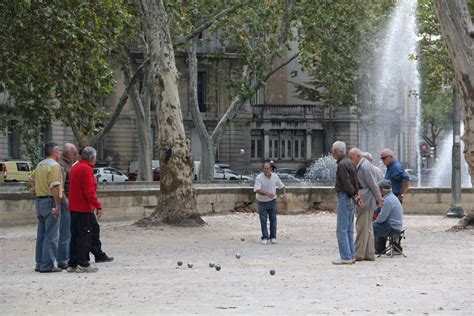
point(424, 153)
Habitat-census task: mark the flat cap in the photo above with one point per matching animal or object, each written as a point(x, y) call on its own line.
point(385, 184)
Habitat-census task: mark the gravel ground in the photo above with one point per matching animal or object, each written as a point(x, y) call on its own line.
point(435, 278)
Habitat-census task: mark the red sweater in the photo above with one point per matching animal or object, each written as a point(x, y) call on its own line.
point(83, 188)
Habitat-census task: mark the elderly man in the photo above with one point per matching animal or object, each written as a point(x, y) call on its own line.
point(378, 171)
point(347, 197)
point(82, 203)
point(265, 187)
point(390, 218)
point(396, 174)
point(370, 194)
point(67, 160)
point(46, 182)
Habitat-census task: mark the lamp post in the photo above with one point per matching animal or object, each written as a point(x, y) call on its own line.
point(456, 208)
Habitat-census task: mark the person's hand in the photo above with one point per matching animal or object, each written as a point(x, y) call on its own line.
point(284, 197)
point(380, 203)
point(358, 200)
point(271, 195)
point(55, 212)
point(99, 212)
point(400, 197)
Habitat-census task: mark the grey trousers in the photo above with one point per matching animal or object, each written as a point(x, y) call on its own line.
point(364, 242)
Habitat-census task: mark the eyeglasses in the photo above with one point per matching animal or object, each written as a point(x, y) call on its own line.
point(383, 158)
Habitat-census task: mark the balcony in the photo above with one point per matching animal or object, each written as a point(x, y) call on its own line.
point(287, 112)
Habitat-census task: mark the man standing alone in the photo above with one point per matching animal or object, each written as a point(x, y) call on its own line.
point(46, 182)
point(347, 198)
point(82, 203)
point(266, 184)
point(396, 174)
point(371, 196)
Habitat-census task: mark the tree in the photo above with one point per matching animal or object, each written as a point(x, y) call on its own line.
point(436, 76)
point(57, 61)
point(257, 56)
point(176, 201)
point(458, 33)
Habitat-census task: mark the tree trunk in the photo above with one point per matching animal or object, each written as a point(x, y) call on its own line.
point(457, 30)
point(176, 201)
point(207, 145)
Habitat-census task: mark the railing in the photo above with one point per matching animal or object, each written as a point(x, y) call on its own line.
point(295, 110)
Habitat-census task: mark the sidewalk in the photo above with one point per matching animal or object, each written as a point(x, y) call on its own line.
point(436, 277)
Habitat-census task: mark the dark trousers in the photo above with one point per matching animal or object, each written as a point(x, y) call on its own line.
point(81, 235)
point(95, 246)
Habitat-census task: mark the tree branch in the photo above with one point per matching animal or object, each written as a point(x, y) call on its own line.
point(276, 69)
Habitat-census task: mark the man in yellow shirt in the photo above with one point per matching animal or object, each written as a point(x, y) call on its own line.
point(46, 180)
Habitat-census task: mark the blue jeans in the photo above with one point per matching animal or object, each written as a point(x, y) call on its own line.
point(64, 234)
point(47, 235)
point(268, 209)
point(345, 226)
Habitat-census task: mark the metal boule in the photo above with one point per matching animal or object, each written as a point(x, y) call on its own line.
point(272, 272)
point(190, 265)
point(180, 263)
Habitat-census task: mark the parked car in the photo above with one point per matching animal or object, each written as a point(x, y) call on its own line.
point(134, 166)
point(413, 176)
point(287, 177)
point(224, 166)
point(15, 170)
point(109, 175)
point(221, 174)
point(156, 174)
point(291, 171)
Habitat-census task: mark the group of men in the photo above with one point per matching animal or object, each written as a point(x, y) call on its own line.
point(66, 207)
point(361, 189)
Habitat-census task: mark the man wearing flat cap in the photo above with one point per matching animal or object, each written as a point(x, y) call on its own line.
point(390, 218)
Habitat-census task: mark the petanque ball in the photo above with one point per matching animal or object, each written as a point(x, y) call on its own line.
point(190, 265)
point(237, 255)
point(180, 263)
point(218, 267)
point(211, 264)
point(242, 239)
point(272, 272)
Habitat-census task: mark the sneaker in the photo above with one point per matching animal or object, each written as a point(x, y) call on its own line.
point(264, 241)
point(104, 259)
point(71, 269)
point(89, 269)
point(341, 261)
point(273, 241)
point(62, 266)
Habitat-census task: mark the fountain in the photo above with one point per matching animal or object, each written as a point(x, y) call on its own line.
point(443, 167)
point(392, 107)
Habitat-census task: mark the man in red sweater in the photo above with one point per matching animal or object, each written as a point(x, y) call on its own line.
point(82, 203)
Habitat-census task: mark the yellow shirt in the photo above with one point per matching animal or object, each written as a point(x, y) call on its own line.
point(46, 176)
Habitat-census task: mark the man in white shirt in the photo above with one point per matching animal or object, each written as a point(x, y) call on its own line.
point(266, 184)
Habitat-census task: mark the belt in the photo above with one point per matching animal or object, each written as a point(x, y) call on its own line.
point(44, 197)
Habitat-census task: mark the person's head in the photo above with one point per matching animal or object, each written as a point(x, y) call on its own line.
point(355, 155)
point(387, 156)
point(52, 150)
point(267, 169)
point(338, 149)
point(70, 152)
point(385, 186)
point(367, 156)
point(89, 154)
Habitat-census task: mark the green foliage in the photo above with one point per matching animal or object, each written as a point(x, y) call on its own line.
point(436, 74)
point(336, 38)
point(56, 60)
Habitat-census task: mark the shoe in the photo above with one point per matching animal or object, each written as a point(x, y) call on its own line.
point(273, 241)
point(89, 269)
point(62, 266)
point(359, 259)
point(264, 241)
point(54, 269)
point(104, 259)
point(341, 261)
point(71, 269)
point(37, 270)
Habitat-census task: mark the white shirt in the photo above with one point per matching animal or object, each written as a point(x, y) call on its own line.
point(268, 185)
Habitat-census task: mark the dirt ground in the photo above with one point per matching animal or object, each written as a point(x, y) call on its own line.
point(435, 278)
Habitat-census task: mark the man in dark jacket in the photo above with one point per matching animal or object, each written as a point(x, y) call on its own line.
point(347, 198)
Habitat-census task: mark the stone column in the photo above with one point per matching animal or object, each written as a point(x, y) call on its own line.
point(266, 149)
point(309, 140)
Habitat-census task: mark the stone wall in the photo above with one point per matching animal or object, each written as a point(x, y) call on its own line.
point(134, 200)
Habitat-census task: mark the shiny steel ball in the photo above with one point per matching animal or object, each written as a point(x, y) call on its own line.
point(237, 255)
point(190, 265)
point(272, 272)
point(218, 267)
point(211, 264)
point(180, 263)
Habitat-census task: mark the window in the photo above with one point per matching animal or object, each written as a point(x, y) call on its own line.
point(273, 147)
point(202, 90)
point(22, 166)
point(256, 148)
point(13, 139)
point(299, 152)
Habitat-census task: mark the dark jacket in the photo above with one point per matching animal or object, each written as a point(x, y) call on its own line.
point(346, 177)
